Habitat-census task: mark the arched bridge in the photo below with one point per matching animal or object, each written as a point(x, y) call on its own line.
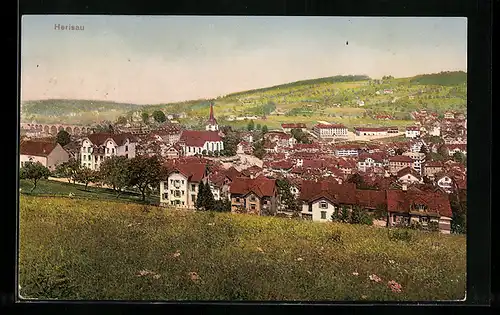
point(53, 129)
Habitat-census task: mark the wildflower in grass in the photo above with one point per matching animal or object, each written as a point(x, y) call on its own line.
point(375, 278)
point(143, 273)
point(177, 254)
point(355, 273)
point(211, 224)
point(260, 249)
point(391, 261)
point(156, 276)
point(300, 259)
point(394, 286)
point(194, 276)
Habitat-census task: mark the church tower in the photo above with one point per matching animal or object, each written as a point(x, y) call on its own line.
point(212, 122)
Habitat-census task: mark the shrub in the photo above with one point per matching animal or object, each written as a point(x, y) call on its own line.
point(433, 226)
point(400, 234)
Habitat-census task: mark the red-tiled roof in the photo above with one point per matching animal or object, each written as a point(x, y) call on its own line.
point(36, 148)
point(400, 158)
point(312, 190)
point(294, 126)
point(378, 157)
point(196, 138)
point(332, 126)
point(371, 129)
point(260, 186)
point(433, 164)
point(101, 137)
point(412, 128)
point(282, 165)
point(194, 172)
point(370, 198)
point(400, 201)
point(407, 171)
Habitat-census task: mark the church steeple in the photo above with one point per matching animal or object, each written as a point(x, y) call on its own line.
point(212, 122)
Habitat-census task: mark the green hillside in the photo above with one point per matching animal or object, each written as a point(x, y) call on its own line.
point(335, 98)
point(77, 249)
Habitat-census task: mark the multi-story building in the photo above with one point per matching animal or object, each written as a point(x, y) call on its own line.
point(418, 160)
point(253, 195)
point(98, 146)
point(398, 162)
point(371, 131)
point(180, 187)
point(330, 131)
point(412, 132)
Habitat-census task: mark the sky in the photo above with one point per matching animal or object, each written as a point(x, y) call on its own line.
point(161, 59)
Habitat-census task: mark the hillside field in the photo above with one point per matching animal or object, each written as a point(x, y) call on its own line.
point(104, 249)
point(333, 99)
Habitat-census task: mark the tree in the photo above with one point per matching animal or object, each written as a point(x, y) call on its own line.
point(208, 200)
point(356, 179)
point(114, 172)
point(230, 143)
point(145, 117)
point(258, 149)
point(122, 120)
point(111, 129)
point(344, 215)
point(459, 157)
point(443, 151)
point(381, 212)
point(258, 127)
point(250, 125)
point(34, 171)
point(159, 116)
point(204, 152)
point(200, 197)
point(144, 173)
point(399, 151)
point(86, 176)
point(68, 170)
point(264, 129)
point(300, 136)
point(423, 149)
point(63, 138)
point(287, 199)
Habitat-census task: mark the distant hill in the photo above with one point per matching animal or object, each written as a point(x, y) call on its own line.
point(446, 78)
point(334, 79)
point(66, 107)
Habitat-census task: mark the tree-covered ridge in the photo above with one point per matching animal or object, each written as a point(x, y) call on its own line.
point(66, 106)
point(443, 78)
point(337, 78)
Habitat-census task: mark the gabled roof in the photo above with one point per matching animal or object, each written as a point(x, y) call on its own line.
point(400, 158)
point(331, 126)
point(314, 190)
point(294, 126)
point(37, 148)
point(194, 172)
point(260, 186)
point(196, 138)
point(100, 138)
point(400, 201)
point(408, 171)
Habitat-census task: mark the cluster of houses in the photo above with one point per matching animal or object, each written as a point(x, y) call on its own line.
point(397, 174)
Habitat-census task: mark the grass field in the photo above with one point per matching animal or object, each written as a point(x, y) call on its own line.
point(87, 249)
point(56, 188)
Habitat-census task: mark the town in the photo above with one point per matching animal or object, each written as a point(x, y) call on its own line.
point(396, 176)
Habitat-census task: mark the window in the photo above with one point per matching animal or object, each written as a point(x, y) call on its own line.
point(107, 150)
point(408, 176)
point(193, 187)
point(252, 198)
point(112, 150)
point(182, 182)
point(237, 199)
point(172, 192)
point(126, 148)
point(323, 215)
point(183, 203)
point(84, 157)
point(126, 155)
point(323, 205)
point(193, 198)
point(424, 220)
point(177, 193)
point(252, 206)
point(182, 191)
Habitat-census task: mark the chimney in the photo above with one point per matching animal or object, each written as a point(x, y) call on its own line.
point(404, 187)
point(251, 176)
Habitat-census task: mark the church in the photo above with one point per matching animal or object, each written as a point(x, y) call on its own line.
point(195, 141)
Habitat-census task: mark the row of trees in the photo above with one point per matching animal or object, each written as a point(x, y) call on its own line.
point(355, 216)
point(252, 126)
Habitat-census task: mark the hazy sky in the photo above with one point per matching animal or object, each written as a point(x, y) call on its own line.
point(153, 59)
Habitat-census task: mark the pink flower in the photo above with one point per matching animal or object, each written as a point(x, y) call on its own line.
point(394, 286)
point(194, 276)
point(375, 278)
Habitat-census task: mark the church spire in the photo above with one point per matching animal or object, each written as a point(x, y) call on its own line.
point(211, 118)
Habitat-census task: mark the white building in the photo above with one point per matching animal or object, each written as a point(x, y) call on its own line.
point(346, 150)
point(445, 182)
point(412, 132)
point(49, 154)
point(418, 160)
point(98, 146)
point(212, 122)
point(195, 142)
point(330, 131)
point(180, 187)
point(370, 131)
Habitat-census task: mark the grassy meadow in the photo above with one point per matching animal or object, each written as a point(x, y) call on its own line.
point(73, 248)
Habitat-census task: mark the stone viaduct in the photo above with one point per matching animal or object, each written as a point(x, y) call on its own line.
point(53, 129)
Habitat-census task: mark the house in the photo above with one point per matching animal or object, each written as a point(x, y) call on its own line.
point(346, 166)
point(360, 103)
point(370, 131)
point(416, 145)
point(445, 182)
point(49, 154)
point(244, 147)
point(281, 166)
point(195, 142)
point(346, 150)
point(172, 152)
point(418, 159)
point(330, 131)
point(253, 195)
point(412, 132)
point(392, 130)
point(99, 146)
point(430, 168)
point(398, 162)
point(73, 149)
point(453, 148)
point(388, 91)
point(212, 122)
point(289, 127)
point(435, 129)
point(367, 160)
point(408, 175)
point(180, 187)
point(405, 207)
point(449, 115)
